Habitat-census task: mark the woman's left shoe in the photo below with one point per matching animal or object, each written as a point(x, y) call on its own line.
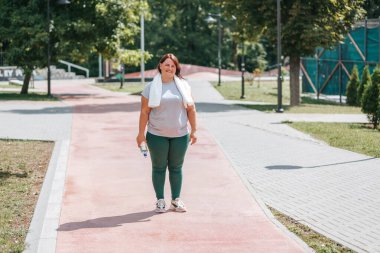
point(177, 205)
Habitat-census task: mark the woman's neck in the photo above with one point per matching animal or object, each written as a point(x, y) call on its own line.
point(166, 79)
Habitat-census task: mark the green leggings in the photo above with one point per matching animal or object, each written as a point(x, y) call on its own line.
point(167, 152)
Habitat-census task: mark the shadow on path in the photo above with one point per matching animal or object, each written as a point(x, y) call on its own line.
point(217, 107)
point(107, 222)
point(87, 108)
point(293, 167)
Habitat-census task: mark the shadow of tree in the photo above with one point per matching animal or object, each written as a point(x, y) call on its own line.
point(292, 167)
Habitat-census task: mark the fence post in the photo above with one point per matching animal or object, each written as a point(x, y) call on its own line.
point(317, 74)
point(340, 73)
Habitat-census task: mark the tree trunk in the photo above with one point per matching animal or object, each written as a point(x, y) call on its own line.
point(294, 80)
point(25, 85)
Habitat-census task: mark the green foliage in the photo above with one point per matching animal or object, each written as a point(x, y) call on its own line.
point(370, 101)
point(181, 28)
point(372, 8)
point(352, 87)
point(254, 56)
point(76, 29)
point(305, 25)
point(132, 57)
point(366, 80)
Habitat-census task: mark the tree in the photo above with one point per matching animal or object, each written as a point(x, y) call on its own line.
point(254, 56)
point(181, 28)
point(366, 80)
point(76, 30)
point(305, 26)
point(372, 8)
point(370, 101)
point(352, 87)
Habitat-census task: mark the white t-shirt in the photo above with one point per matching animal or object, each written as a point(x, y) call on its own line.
point(169, 119)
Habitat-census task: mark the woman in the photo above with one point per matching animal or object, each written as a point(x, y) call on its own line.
point(167, 106)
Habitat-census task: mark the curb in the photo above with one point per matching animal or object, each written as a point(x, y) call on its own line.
point(42, 233)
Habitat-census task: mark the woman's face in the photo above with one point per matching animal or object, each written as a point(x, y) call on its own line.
point(168, 68)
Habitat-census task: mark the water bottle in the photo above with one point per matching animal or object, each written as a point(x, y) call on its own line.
point(144, 149)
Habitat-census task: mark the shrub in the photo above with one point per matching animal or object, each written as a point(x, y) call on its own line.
point(352, 87)
point(366, 80)
point(370, 101)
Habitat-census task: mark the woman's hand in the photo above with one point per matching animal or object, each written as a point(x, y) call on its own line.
point(140, 139)
point(193, 137)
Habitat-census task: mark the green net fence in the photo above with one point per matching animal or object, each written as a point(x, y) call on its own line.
point(328, 71)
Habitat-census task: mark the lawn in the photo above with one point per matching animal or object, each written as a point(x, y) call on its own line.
point(23, 165)
point(13, 95)
point(134, 88)
point(316, 241)
point(267, 92)
point(359, 138)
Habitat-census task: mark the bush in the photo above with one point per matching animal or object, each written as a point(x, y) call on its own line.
point(352, 87)
point(370, 101)
point(366, 80)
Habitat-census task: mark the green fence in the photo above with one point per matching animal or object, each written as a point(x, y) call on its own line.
point(328, 71)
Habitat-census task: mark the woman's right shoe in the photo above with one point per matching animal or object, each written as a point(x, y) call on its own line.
point(160, 206)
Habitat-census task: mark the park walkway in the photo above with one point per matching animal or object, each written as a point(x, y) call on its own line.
point(334, 191)
point(108, 198)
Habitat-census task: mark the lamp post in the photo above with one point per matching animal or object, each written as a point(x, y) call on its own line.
point(60, 2)
point(242, 71)
point(142, 45)
point(210, 19)
point(279, 77)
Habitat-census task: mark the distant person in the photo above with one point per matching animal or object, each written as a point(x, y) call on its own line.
point(166, 107)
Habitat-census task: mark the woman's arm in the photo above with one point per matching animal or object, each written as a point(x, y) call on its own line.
point(144, 117)
point(192, 116)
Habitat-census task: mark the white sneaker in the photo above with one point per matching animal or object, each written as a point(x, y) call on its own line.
point(160, 206)
point(177, 205)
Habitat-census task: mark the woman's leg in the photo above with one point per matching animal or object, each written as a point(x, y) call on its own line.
point(177, 151)
point(158, 149)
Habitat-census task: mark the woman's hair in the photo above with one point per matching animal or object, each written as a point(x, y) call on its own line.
point(176, 63)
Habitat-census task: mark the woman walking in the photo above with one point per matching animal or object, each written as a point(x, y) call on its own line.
point(166, 107)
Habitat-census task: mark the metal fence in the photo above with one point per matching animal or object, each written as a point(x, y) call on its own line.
point(328, 71)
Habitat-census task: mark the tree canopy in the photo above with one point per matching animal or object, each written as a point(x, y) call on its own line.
point(76, 30)
point(305, 26)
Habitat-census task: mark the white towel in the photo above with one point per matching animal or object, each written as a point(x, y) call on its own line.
point(155, 91)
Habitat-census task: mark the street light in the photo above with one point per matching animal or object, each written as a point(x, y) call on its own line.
point(142, 45)
point(49, 27)
point(279, 77)
point(242, 70)
point(210, 19)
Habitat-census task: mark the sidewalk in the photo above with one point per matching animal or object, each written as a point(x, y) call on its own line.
point(334, 191)
point(108, 198)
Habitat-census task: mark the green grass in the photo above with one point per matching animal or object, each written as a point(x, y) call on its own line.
point(316, 241)
point(10, 86)
point(359, 138)
point(267, 92)
point(11, 95)
point(130, 87)
point(23, 165)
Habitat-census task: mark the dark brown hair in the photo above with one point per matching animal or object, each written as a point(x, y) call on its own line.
point(176, 63)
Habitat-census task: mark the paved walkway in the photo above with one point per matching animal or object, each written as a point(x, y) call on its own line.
point(108, 197)
point(334, 191)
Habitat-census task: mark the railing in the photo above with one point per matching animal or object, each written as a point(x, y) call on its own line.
point(69, 65)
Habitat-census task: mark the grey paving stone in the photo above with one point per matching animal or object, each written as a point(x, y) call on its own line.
point(332, 190)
